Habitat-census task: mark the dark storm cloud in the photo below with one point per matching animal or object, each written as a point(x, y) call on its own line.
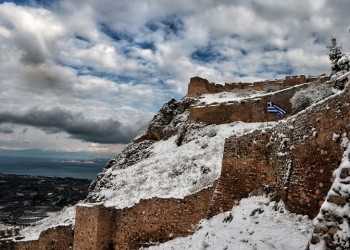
point(58, 120)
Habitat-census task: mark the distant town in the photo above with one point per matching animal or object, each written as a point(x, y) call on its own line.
point(27, 199)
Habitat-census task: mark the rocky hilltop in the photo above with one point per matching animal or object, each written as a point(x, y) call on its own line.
point(204, 154)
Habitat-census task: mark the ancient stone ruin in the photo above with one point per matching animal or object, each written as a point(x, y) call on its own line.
point(293, 161)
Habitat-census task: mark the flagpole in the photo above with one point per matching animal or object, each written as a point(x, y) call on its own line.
point(267, 119)
point(267, 114)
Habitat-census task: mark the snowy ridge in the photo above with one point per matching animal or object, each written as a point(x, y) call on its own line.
point(257, 223)
point(170, 171)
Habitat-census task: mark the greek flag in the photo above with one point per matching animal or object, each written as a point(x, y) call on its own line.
point(274, 108)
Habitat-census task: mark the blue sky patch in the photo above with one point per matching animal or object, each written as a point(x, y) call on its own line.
point(285, 70)
point(270, 48)
point(114, 34)
point(277, 69)
point(171, 25)
point(207, 54)
point(243, 52)
point(91, 71)
point(81, 38)
point(47, 4)
point(147, 45)
point(240, 74)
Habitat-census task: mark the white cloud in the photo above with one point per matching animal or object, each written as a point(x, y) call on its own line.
point(122, 59)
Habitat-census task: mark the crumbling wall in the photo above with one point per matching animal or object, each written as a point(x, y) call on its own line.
point(58, 238)
point(149, 221)
point(248, 110)
point(294, 161)
point(199, 86)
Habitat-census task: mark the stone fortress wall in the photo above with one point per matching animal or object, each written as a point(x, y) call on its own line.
point(57, 238)
point(199, 86)
point(249, 109)
point(149, 221)
point(294, 161)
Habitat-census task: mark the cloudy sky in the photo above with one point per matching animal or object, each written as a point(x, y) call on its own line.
point(89, 75)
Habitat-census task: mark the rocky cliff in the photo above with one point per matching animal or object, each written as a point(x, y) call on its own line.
point(190, 166)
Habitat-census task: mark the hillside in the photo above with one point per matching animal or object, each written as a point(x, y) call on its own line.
point(202, 156)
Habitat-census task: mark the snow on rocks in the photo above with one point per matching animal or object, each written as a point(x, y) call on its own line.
point(332, 224)
point(65, 217)
point(256, 223)
point(237, 95)
point(170, 171)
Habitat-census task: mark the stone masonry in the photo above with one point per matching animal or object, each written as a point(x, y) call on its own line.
point(58, 238)
point(248, 110)
point(199, 86)
point(148, 222)
point(294, 161)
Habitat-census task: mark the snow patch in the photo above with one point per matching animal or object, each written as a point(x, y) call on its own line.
point(256, 223)
point(65, 217)
point(338, 209)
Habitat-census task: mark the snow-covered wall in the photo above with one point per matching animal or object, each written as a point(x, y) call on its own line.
point(246, 109)
point(152, 220)
point(294, 160)
point(199, 86)
point(59, 237)
point(332, 224)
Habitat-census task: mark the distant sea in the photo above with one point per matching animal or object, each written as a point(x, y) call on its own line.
point(37, 166)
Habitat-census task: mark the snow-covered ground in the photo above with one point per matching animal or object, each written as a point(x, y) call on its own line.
point(63, 218)
point(257, 223)
point(229, 96)
point(172, 171)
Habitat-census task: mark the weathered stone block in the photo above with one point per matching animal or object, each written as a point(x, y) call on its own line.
point(336, 199)
point(345, 172)
point(333, 230)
